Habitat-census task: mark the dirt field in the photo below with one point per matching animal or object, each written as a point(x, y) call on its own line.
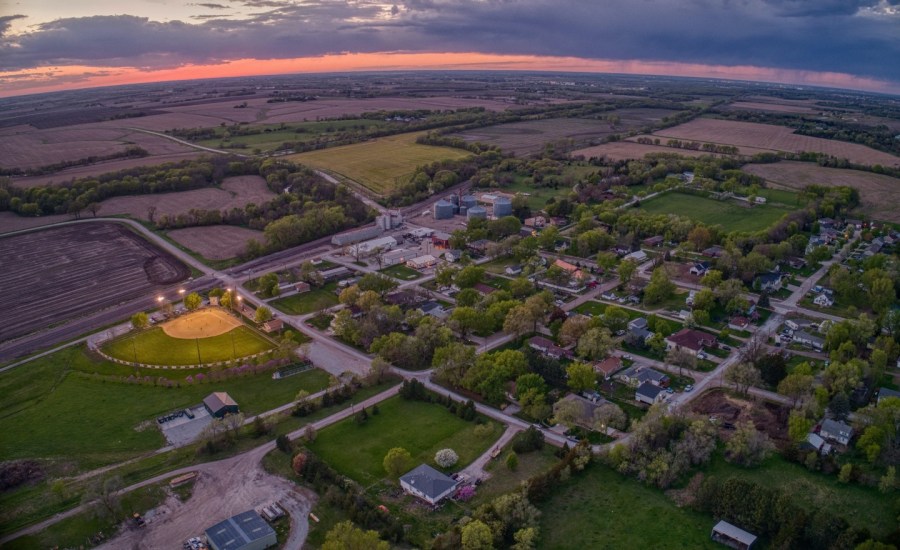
point(767, 417)
point(626, 150)
point(525, 138)
point(58, 274)
point(215, 242)
point(880, 194)
point(200, 324)
point(774, 138)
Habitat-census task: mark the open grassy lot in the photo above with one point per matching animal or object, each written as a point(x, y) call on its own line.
point(155, 347)
point(731, 215)
point(307, 302)
point(274, 135)
point(603, 509)
point(860, 506)
point(380, 164)
point(538, 196)
point(53, 409)
point(421, 428)
point(402, 272)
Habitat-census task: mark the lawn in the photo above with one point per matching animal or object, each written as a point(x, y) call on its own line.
point(603, 509)
point(421, 428)
point(380, 164)
point(731, 215)
point(863, 507)
point(52, 409)
point(596, 309)
point(402, 272)
point(155, 347)
point(307, 302)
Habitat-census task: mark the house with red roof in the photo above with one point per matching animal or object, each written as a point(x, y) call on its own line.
point(690, 340)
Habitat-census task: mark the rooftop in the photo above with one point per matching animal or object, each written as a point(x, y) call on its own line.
point(429, 481)
point(238, 531)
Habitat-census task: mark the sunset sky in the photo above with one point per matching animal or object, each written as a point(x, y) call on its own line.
point(49, 45)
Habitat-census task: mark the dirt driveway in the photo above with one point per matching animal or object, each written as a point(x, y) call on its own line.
point(222, 490)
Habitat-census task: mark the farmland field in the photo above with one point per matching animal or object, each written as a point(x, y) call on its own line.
point(420, 428)
point(773, 138)
point(528, 137)
point(216, 242)
point(774, 107)
point(155, 347)
point(54, 275)
point(731, 215)
point(627, 150)
point(274, 136)
point(379, 164)
point(880, 194)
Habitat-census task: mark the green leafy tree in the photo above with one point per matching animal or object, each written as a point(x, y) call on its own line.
point(192, 301)
point(140, 320)
point(451, 362)
point(346, 536)
point(476, 535)
point(627, 269)
point(581, 376)
point(798, 426)
point(397, 461)
point(468, 297)
point(469, 276)
point(595, 343)
point(660, 287)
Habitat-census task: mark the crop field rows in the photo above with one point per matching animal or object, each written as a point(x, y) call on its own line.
point(58, 274)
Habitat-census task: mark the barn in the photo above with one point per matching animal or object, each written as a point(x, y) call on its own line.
point(219, 404)
point(245, 531)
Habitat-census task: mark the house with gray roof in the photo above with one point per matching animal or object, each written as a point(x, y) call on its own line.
point(835, 430)
point(732, 536)
point(245, 531)
point(428, 484)
point(649, 394)
point(636, 375)
point(806, 339)
point(884, 393)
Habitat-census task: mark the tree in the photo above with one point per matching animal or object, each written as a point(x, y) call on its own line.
point(615, 318)
point(397, 461)
point(476, 535)
point(772, 368)
point(512, 461)
point(581, 377)
point(140, 320)
point(595, 343)
point(573, 328)
point(567, 412)
point(268, 285)
point(548, 236)
point(525, 539)
point(377, 283)
point(192, 301)
point(888, 481)
point(626, 270)
point(743, 376)
point(881, 294)
point(797, 386)
point(451, 362)
point(468, 297)
point(705, 299)
point(748, 446)
point(469, 276)
point(520, 287)
point(263, 314)
point(712, 279)
point(519, 321)
point(465, 320)
point(607, 261)
point(530, 382)
point(446, 458)
point(609, 415)
point(660, 287)
point(839, 406)
point(798, 426)
point(681, 359)
point(346, 536)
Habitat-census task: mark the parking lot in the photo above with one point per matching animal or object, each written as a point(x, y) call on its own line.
point(183, 430)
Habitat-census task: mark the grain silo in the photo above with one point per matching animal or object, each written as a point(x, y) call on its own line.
point(443, 210)
point(476, 212)
point(502, 207)
point(468, 201)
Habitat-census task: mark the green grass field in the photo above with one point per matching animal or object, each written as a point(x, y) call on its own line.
point(275, 136)
point(52, 409)
point(381, 163)
point(155, 347)
point(402, 272)
point(730, 215)
point(421, 428)
point(603, 509)
point(307, 302)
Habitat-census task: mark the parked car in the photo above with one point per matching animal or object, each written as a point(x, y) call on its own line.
point(689, 387)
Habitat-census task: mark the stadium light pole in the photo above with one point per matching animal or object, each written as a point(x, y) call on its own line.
point(199, 360)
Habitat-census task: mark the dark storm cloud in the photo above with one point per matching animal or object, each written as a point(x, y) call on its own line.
point(851, 36)
point(6, 22)
point(212, 6)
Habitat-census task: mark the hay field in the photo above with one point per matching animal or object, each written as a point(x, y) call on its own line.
point(216, 242)
point(627, 150)
point(378, 164)
point(773, 138)
point(58, 274)
point(880, 194)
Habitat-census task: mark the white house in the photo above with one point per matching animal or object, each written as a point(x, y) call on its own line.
point(649, 393)
point(823, 300)
point(834, 430)
point(421, 262)
point(428, 484)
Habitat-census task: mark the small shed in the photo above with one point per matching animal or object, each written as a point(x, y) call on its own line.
point(245, 531)
point(219, 404)
point(732, 536)
point(273, 325)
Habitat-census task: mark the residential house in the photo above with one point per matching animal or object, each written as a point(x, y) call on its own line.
point(548, 348)
point(768, 282)
point(422, 262)
point(796, 263)
point(826, 222)
point(453, 256)
point(513, 270)
point(636, 375)
point(798, 324)
point(649, 394)
point(428, 484)
point(335, 273)
point(713, 251)
point(654, 241)
point(856, 224)
point(885, 393)
point(816, 443)
point(638, 256)
point(609, 366)
point(638, 330)
point(823, 300)
point(536, 222)
point(404, 298)
point(835, 430)
point(480, 246)
point(434, 309)
point(738, 323)
point(484, 289)
point(700, 268)
point(573, 270)
point(690, 340)
point(806, 339)
point(588, 406)
point(301, 287)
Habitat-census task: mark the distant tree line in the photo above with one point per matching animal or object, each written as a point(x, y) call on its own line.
point(131, 151)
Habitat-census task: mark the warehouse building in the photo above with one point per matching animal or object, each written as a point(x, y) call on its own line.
point(366, 248)
point(245, 531)
point(219, 404)
point(359, 235)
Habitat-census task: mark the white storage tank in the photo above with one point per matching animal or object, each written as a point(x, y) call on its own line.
point(502, 207)
point(476, 212)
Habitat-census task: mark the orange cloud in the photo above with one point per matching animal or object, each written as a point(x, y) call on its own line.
point(76, 77)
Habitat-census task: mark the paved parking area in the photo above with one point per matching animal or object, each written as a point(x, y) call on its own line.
point(183, 430)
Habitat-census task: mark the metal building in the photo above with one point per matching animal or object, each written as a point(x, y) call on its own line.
point(476, 212)
point(502, 207)
point(245, 531)
point(468, 201)
point(351, 237)
point(443, 210)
